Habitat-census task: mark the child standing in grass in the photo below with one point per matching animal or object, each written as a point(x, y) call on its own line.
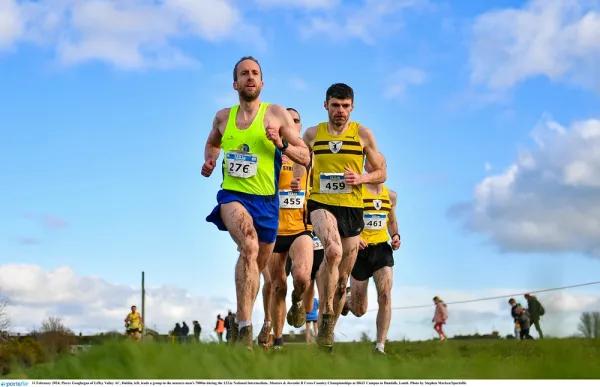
point(524, 321)
point(440, 317)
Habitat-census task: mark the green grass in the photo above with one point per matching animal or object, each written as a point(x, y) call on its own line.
point(477, 359)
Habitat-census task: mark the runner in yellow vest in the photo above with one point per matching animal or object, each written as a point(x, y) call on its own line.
point(253, 135)
point(335, 205)
point(133, 324)
point(375, 257)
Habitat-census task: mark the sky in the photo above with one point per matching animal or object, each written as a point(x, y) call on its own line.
point(488, 115)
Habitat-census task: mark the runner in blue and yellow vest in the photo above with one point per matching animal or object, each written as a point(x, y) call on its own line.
point(335, 204)
point(375, 257)
point(253, 135)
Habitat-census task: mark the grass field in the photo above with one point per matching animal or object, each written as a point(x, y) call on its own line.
point(498, 359)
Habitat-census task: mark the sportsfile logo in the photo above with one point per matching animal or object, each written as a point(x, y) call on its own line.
point(14, 383)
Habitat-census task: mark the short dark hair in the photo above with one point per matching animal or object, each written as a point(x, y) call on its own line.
point(294, 110)
point(235, 76)
point(339, 91)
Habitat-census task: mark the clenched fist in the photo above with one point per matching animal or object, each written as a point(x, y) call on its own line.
point(295, 184)
point(351, 177)
point(272, 132)
point(208, 167)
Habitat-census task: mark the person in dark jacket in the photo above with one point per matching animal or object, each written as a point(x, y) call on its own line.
point(177, 332)
point(536, 310)
point(185, 333)
point(229, 321)
point(513, 312)
point(197, 330)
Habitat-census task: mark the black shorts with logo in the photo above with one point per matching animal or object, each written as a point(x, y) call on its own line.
point(318, 256)
point(283, 243)
point(134, 330)
point(371, 259)
point(349, 219)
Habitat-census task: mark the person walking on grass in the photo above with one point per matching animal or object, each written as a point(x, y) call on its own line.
point(524, 321)
point(219, 328)
point(197, 331)
point(536, 310)
point(440, 317)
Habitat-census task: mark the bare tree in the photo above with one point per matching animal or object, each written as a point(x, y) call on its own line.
point(589, 325)
point(4, 318)
point(54, 325)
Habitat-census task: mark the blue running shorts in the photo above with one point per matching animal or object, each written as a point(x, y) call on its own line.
point(264, 211)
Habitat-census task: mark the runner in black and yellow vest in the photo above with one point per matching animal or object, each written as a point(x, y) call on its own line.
point(133, 324)
point(253, 136)
point(375, 257)
point(295, 244)
point(339, 147)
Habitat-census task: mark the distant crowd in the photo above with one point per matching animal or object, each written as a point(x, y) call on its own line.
point(523, 319)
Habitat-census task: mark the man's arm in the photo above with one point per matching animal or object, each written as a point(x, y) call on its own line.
point(213, 142)
point(374, 157)
point(297, 149)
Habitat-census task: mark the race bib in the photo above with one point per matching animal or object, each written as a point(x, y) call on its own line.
point(240, 164)
point(333, 183)
point(375, 221)
point(291, 199)
point(317, 243)
point(133, 325)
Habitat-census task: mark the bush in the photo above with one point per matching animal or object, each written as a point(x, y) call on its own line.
point(25, 353)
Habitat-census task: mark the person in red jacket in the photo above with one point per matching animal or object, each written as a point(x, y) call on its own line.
point(440, 317)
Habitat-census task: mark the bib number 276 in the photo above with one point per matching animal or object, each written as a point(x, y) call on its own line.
point(241, 165)
point(334, 183)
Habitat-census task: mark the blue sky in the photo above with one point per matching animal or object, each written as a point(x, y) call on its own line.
point(104, 121)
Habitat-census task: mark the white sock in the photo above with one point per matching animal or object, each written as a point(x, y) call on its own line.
point(380, 346)
point(267, 323)
point(244, 324)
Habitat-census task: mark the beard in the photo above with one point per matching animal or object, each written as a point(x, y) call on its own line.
point(249, 96)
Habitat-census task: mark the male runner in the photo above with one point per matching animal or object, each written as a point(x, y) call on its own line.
point(375, 258)
point(253, 135)
point(335, 205)
point(133, 323)
point(294, 244)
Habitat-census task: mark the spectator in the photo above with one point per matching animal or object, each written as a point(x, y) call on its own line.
point(311, 319)
point(197, 330)
point(177, 332)
point(185, 332)
point(219, 328)
point(229, 321)
point(440, 317)
point(524, 322)
point(513, 312)
point(536, 310)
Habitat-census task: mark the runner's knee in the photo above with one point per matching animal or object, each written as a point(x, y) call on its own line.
point(384, 298)
point(279, 287)
point(249, 248)
point(333, 253)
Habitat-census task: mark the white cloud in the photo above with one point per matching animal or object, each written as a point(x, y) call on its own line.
point(558, 39)
point(91, 304)
point(10, 22)
point(547, 200)
point(397, 82)
point(368, 21)
point(129, 34)
point(487, 166)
